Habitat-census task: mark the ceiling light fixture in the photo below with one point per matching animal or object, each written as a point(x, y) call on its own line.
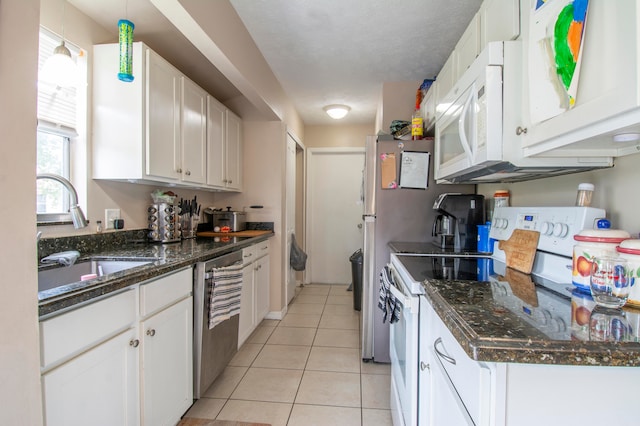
point(59, 68)
point(337, 111)
point(626, 137)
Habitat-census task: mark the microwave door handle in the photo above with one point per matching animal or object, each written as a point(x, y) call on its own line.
point(463, 137)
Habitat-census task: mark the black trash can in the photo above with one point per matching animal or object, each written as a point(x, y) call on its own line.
point(356, 278)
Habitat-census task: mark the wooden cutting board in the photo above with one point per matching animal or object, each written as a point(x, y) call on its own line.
point(520, 249)
point(247, 233)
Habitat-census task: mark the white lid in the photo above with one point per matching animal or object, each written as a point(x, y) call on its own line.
point(586, 187)
point(602, 235)
point(630, 244)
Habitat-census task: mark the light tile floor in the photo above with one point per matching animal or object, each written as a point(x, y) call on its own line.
point(303, 370)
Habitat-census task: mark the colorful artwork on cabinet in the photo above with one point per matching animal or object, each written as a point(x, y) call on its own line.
point(557, 32)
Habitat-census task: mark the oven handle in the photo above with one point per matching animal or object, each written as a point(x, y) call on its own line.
point(399, 295)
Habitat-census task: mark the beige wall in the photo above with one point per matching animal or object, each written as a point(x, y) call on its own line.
point(19, 350)
point(616, 191)
point(398, 101)
point(338, 135)
point(264, 154)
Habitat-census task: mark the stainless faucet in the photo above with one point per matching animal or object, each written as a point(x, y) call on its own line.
point(77, 216)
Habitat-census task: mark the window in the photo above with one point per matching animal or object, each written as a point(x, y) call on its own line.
point(57, 111)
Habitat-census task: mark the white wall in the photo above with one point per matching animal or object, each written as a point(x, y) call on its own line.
point(19, 349)
point(616, 191)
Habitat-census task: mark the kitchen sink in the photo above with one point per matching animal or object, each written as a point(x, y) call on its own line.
point(49, 278)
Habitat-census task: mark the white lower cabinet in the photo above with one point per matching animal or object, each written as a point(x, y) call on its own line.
point(98, 387)
point(123, 360)
point(167, 389)
point(455, 390)
point(254, 299)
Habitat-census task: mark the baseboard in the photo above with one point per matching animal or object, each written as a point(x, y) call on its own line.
point(273, 315)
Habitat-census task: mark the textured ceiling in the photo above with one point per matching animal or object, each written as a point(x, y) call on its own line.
point(341, 51)
point(321, 51)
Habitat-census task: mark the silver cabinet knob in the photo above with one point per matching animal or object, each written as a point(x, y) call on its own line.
point(151, 332)
point(423, 366)
point(188, 173)
point(134, 343)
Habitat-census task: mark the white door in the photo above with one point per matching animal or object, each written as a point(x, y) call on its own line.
point(334, 213)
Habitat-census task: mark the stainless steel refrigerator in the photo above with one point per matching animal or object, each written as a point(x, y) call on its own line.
point(401, 214)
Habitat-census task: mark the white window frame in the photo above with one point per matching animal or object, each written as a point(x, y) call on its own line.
point(62, 120)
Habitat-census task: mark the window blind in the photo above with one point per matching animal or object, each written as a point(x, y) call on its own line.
point(56, 105)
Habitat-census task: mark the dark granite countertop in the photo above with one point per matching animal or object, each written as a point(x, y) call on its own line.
point(492, 328)
point(169, 258)
point(418, 248)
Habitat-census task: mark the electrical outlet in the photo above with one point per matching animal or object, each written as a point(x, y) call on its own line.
point(109, 216)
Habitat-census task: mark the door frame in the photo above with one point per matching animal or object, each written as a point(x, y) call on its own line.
point(301, 238)
point(309, 153)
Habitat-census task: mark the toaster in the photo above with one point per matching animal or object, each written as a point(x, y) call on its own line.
point(229, 221)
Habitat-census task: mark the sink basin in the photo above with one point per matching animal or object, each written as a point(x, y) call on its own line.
point(56, 277)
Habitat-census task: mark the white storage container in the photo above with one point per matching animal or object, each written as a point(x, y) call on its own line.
point(592, 243)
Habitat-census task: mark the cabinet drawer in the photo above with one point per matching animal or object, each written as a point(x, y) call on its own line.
point(261, 249)
point(73, 332)
point(249, 254)
point(164, 291)
point(470, 378)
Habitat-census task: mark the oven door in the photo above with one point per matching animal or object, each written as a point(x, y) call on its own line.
point(403, 351)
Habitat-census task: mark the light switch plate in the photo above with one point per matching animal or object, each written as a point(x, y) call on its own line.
point(109, 216)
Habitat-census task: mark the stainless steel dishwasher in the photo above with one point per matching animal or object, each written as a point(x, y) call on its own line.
point(213, 348)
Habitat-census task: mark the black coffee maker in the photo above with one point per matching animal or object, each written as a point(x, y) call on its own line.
point(455, 228)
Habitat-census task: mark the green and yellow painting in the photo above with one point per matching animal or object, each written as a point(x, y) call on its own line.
point(557, 33)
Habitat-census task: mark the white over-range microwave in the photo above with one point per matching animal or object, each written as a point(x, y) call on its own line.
point(476, 136)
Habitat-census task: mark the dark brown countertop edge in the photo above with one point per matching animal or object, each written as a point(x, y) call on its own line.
point(57, 304)
point(480, 348)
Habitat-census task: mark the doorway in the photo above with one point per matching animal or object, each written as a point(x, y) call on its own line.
point(334, 213)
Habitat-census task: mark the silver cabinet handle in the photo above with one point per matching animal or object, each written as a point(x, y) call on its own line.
point(423, 366)
point(440, 354)
point(151, 332)
point(134, 343)
point(188, 173)
point(179, 170)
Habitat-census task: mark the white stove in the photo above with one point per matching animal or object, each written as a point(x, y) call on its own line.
point(545, 306)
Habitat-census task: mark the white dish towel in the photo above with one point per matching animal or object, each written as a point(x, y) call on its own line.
point(65, 258)
point(224, 286)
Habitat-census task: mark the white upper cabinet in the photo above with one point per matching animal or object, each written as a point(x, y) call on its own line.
point(154, 129)
point(468, 47)
point(162, 118)
point(499, 21)
point(194, 133)
point(224, 140)
point(607, 102)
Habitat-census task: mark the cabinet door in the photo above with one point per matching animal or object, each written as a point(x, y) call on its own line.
point(429, 106)
point(468, 47)
point(446, 80)
point(233, 174)
point(216, 136)
point(99, 387)
point(446, 407)
point(247, 310)
point(163, 157)
point(262, 288)
point(194, 132)
point(424, 363)
point(499, 21)
point(167, 364)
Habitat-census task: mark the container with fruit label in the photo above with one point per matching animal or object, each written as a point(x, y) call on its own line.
point(630, 250)
point(592, 243)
